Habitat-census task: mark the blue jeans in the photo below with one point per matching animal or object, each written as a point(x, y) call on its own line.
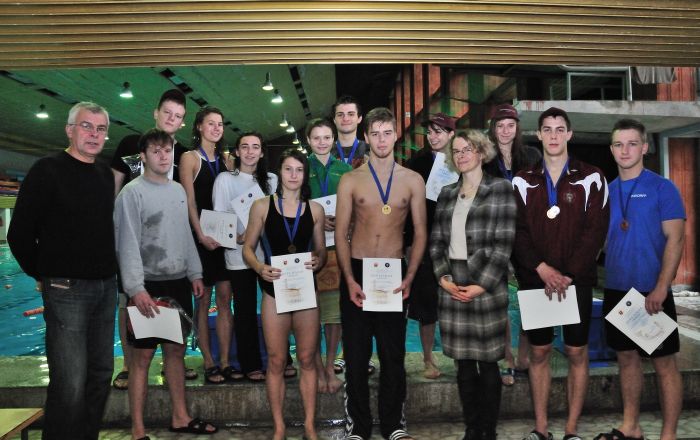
point(79, 317)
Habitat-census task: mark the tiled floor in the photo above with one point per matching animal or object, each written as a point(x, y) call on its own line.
point(590, 426)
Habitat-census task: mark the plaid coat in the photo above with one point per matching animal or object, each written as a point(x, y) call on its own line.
point(476, 330)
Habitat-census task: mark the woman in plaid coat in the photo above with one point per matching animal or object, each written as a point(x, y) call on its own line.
point(472, 236)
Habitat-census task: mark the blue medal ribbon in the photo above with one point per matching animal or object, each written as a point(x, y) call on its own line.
point(216, 162)
point(551, 187)
point(508, 174)
point(293, 232)
point(324, 183)
point(385, 197)
point(341, 154)
point(625, 206)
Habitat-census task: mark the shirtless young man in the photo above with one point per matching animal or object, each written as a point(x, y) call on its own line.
point(376, 197)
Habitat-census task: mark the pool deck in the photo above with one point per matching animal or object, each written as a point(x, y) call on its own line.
point(244, 405)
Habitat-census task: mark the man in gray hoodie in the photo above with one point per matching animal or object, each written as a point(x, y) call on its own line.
point(157, 257)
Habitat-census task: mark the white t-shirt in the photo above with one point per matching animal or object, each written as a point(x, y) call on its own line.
point(227, 186)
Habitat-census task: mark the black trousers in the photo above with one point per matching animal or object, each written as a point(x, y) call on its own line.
point(245, 313)
point(479, 385)
point(389, 329)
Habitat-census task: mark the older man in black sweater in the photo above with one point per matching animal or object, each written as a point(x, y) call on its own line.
point(62, 234)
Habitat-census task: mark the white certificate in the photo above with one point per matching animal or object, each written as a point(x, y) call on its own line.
point(380, 277)
point(294, 289)
point(439, 176)
point(328, 204)
point(631, 318)
point(221, 226)
point(165, 325)
point(242, 202)
point(537, 310)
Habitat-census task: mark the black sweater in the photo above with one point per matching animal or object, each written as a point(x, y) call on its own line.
point(62, 223)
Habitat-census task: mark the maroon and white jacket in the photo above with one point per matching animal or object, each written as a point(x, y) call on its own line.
point(570, 242)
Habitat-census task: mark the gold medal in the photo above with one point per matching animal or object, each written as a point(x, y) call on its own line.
point(386, 209)
point(292, 249)
point(625, 225)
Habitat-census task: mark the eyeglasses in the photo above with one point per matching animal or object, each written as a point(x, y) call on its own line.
point(464, 151)
point(86, 126)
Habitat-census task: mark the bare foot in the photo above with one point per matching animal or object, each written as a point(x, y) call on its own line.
point(431, 371)
point(334, 384)
point(278, 435)
point(310, 433)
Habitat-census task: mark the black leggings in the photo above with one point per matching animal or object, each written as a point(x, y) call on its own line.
point(479, 386)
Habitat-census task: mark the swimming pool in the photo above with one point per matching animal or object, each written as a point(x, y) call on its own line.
point(24, 336)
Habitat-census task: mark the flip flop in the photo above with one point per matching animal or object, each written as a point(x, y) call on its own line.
point(256, 376)
point(121, 381)
point(191, 374)
point(211, 372)
point(615, 434)
point(232, 375)
point(508, 377)
point(339, 366)
point(196, 426)
point(371, 368)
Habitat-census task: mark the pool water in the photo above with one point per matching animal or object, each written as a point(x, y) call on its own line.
point(24, 336)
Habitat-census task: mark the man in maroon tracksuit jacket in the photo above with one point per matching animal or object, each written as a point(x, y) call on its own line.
point(562, 221)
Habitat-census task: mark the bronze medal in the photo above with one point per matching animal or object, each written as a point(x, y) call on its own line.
point(292, 249)
point(386, 209)
point(624, 225)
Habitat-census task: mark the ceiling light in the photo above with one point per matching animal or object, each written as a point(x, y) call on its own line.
point(290, 129)
point(284, 123)
point(295, 141)
point(268, 83)
point(276, 98)
point(42, 114)
point(126, 91)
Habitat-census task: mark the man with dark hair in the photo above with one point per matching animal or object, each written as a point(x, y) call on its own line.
point(347, 116)
point(423, 302)
point(644, 247)
point(168, 116)
point(562, 220)
point(378, 196)
point(157, 257)
point(62, 235)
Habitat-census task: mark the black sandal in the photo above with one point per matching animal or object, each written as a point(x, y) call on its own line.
point(211, 372)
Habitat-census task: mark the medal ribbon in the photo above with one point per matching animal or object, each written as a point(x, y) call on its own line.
point(216, 162)
point(624, 206)
point(385, 197)
point(291, 234)
point(508, 174)
point(551, 188)
point(324, 183)
point(341, 154)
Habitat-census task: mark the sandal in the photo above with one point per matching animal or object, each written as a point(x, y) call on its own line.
point(232, 375)
point(339, 366)
point(196, 426)
point(521, 372)
point(572, 437)
point(191, 374)
point(508, 377)
point(121, 381)
point(290, 371)
point(371, 368)
point(614, 434)
point(534, 435)
point(256, 376)
point(400, 434)
point(212, 372)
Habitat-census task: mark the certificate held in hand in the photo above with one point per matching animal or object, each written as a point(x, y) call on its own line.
point(380, 277)
point(538, 311)
point(294, 289)
point(631, 318)
point(328, 203)
point(221, 226)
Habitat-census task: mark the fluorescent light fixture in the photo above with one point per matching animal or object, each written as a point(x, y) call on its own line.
point(290, 129)
point(284, 123)
point(42, 114)
point(126, 91)
point(268, 83)
point(295, 141)
point(276, 98)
